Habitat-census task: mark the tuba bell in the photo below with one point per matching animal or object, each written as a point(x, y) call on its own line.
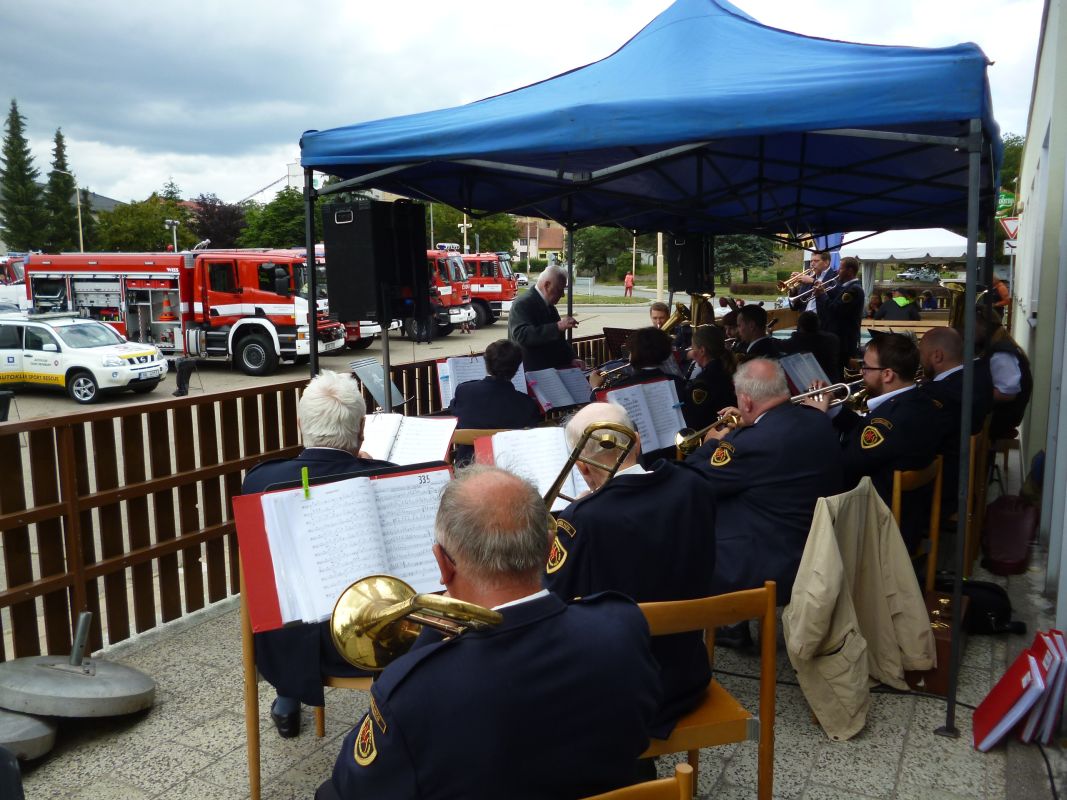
point(680, 316)
point(377, 619)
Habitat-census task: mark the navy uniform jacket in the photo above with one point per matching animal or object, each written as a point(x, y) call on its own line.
point(903, 433)
point(824, 346)
point(532, 326)
point(491, 403)
point(651, 537)
point(841, 313)
point(767, 478)
point(767, 347)
point(554, 702)
point(295, 658)
point(705, 394)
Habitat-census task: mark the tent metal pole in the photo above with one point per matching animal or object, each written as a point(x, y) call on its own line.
point(310, 265)
point(974, 148)
point(897, 136)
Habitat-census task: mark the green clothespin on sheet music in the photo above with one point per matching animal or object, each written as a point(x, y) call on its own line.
point(304, 481)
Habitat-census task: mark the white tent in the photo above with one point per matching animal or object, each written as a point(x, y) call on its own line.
point(918, 245)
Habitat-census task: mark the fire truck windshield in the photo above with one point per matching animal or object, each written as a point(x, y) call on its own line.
point(458, 272)
point(320, 280)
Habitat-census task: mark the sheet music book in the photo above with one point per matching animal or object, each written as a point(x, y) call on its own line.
point(300, 553)
point(802, 370)
point(1048, 656)
point(1014, 694)
point(451, 372)
point(408, 440)
point(558, 388)
point(538, 455)
point(655, 410)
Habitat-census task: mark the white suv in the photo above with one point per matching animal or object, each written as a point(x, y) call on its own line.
point(83, 356)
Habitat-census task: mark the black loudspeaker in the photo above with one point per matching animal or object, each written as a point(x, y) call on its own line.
point(376, 260)
point(691, 263)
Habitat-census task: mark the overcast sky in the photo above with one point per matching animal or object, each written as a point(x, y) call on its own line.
point(216, 94)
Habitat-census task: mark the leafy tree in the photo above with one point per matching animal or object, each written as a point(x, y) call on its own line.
point(279, 223)
point(488, 234)
point(61, 225)
point(597, 250)
point(171, 191)
point(140, 226)
point(744, 252)
point(21, 211)
point(220, 222)
point(1013, 156)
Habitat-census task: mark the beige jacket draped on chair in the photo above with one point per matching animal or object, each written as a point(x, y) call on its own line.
point(856, 610)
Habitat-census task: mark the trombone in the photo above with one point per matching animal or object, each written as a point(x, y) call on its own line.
point(687, 440)
point(377, 619)
point(804, 296)
point(853, 390)
point(603, 434)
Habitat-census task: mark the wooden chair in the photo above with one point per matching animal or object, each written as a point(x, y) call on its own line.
point(1002, 447)
point(720, 719)
point(251, 679)
point(909, 481)
point(680, 787)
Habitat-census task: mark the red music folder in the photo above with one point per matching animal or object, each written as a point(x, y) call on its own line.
point(1014, 694)
point(1048, 658)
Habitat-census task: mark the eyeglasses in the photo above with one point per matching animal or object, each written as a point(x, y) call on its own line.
point(865, 368)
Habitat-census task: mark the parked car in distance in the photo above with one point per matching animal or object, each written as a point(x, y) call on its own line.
point(521, 279)
point(82, 356)
point(922, 274)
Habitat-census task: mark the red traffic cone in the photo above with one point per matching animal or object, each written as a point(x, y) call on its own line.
point(167, 314)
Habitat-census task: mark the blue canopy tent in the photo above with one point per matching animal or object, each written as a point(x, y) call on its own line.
point(708, 121)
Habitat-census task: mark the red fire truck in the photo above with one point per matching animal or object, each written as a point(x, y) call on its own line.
point(492, 286)
point(244, 305)
point(450, 291)
point(12, 286)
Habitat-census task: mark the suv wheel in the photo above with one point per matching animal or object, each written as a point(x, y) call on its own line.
point(256, 356)
point(82, 388)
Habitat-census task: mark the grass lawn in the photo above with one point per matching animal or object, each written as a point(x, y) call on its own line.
point(611, 300)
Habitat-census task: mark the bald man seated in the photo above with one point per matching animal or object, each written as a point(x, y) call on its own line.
point(648, 534)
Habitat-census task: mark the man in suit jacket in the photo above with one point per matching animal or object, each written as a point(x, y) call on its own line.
point(823, 345)
point(536, 327)
point(331, 413)
point(493, 402)
point(752, 333)
point(573, 682)
point(841, 310)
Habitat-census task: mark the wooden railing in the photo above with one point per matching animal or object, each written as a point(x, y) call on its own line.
point(126, 512)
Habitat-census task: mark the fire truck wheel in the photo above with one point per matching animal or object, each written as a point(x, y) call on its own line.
point(444, 330)
point(82, 388)
point(256, 356)
point(482, 315)
point(360, 344)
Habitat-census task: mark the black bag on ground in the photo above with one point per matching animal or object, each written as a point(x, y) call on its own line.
point(990, 608)
point(1009, 529)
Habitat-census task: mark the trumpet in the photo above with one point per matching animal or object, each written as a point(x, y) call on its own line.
point(377, 619)
point(793, 280)
point(602, 432)
point(687, 440)
point(852, 391)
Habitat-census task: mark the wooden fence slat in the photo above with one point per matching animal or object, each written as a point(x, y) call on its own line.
point(188, 514)
point(18, 562)
point(212, 499)
point(159, 443)
point(133, 457)
point(88, 545)
point(105, 446)
point(231, 449)
point(51, 546)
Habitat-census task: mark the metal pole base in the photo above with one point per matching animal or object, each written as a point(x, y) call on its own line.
point(26, 736)
point(50, 686)
point(947, 732)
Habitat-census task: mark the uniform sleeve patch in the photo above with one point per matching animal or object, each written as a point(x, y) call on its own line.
point(365, 751)
point(871, 437)
point(699, 396)
point(846, 297)
point(557, 556)
point(722, 455)
point(883, 422)
point(566, 527)
point(377, 715)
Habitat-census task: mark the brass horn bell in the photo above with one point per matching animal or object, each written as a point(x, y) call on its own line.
point(377, 619)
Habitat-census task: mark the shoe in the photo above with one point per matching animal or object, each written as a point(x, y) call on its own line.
point(288, 725)
point(179, 393)
point(736, 637)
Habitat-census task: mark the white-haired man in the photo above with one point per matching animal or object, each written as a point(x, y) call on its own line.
point(331, 414)
point(648, 534)
point(536, 327)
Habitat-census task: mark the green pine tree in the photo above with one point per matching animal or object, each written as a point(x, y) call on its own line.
point(21, 212)
point(61, 213)
point(89, 233)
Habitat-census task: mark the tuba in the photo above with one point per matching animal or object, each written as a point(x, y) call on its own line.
point(680, 316)
point(377, 619)
point(957, 303)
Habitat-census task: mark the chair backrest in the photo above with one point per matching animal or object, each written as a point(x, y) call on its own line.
point(468, 435)
point(680, 787)
point(912, 479)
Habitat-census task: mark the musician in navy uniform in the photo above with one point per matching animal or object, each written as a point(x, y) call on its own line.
point(802, 297)
point(553, 702)
point(331, 414)
point(902, 429)
point(841, 310)
point(710, 385)
point(766, 476)
point(810, 338)
point(536, 327)
point(493, 402)
point(752, 333)
point(647, 534)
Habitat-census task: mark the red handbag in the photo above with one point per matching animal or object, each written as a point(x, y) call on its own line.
point(1010, 528)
